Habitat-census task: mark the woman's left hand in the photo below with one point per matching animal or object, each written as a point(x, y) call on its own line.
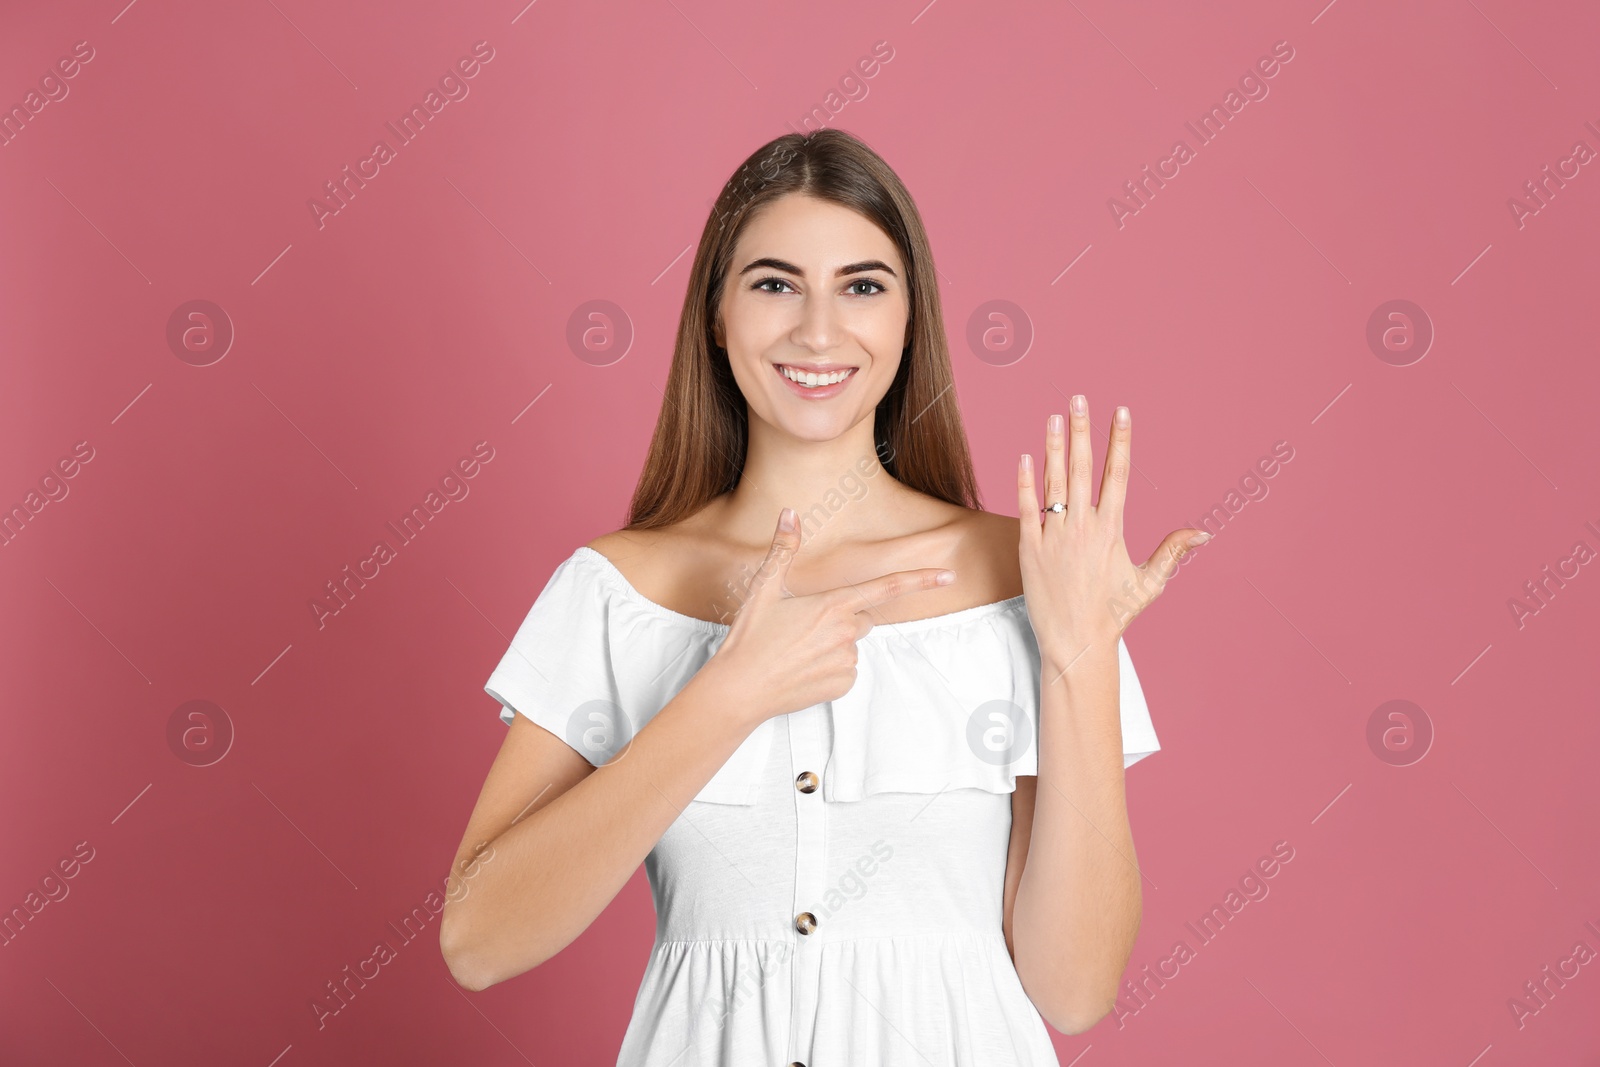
point(1081, 586)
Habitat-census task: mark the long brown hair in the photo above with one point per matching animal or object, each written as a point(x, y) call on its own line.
point(698, 449)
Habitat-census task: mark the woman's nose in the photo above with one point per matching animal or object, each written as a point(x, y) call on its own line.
point(819, 326)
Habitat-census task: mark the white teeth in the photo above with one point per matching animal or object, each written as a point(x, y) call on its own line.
point(813, 381)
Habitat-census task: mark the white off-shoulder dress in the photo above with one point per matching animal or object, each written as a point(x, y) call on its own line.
point(833, 896)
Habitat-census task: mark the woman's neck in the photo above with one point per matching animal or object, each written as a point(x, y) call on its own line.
point(838, 488)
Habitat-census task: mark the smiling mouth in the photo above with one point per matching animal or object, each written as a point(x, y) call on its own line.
point(813, 380)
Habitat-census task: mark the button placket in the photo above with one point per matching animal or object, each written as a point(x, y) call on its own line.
point(807, 756)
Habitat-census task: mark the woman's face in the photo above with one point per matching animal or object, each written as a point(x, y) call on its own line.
point(813, 288)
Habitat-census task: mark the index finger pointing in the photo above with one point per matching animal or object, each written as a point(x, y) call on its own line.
point(864, 596)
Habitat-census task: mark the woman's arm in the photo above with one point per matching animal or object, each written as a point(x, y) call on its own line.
point(552, 840)
point(1078, 900)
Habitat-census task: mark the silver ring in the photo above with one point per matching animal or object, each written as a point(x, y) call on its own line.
point(1058, 507)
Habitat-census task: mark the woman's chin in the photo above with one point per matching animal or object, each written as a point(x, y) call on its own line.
point(816, 427)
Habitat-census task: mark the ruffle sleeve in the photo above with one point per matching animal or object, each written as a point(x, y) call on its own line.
point(955, 706)
point(593, 668)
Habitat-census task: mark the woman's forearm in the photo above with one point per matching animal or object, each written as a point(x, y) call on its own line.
point(1078, 902)
point(555, 871)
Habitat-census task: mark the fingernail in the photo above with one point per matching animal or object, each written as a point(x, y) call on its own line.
point(786, 519)
point(944, 577)
point(1079, 404)
point(1122, 416)
point(1055, 423)
point(1027, 463)
point(1199, 539)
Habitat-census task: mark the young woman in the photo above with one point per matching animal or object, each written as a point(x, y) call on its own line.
point(867, 739)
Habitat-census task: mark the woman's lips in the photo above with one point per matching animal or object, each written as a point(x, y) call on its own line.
point(821, 392)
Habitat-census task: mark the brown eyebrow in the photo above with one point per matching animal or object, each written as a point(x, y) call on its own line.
point(772, 263)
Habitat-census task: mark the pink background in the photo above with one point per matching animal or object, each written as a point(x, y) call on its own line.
point(372, 352)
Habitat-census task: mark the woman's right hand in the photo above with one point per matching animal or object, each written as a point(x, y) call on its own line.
point(786, 652)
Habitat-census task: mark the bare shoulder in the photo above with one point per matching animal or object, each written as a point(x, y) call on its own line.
point(678, 567)
point(642, 556)
point(989, 552)
point(981, 547)
point(621, 544)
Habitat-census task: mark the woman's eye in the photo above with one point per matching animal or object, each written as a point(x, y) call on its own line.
point(877, 287)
